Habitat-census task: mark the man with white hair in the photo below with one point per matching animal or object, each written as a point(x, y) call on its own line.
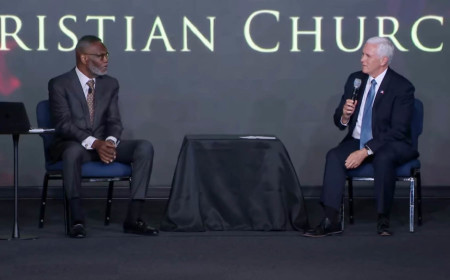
point(378, 118)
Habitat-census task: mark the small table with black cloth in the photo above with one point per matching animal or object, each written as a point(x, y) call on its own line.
point(226, 182)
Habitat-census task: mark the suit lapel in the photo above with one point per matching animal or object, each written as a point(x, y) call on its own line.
point(382, 89)
point(79, 94)
point(99, 86)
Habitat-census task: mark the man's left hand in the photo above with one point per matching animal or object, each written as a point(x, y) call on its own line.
point(356, 158)
point(106, 150)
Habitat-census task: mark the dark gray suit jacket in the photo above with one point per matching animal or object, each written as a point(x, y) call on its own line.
point(70, 113)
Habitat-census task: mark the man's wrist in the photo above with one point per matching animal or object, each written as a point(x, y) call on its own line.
point(369, 151)
point(94, 144)
point(344, 121)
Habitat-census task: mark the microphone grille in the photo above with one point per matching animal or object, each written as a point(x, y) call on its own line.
point(357, 83)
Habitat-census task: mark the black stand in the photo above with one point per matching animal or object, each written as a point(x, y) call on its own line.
point(16, 233)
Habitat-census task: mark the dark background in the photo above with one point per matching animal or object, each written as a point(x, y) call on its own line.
point(233, 89)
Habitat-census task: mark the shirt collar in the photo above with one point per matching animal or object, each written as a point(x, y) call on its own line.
point(379, 78)
point(83, 78)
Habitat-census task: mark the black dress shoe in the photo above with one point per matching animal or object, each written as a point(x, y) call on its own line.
point(139, 227)
point(383, 225)
point(325, 228)
point(77, 231)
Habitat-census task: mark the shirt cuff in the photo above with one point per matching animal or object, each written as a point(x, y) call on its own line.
point(344, 124)
point(113, 139)
point(87, 143)
point(369, 151)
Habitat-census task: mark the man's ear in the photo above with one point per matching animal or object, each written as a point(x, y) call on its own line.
point(84, 58)
point(384, 61)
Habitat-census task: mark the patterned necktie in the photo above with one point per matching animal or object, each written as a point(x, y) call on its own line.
point(366, 126)
point(90, 99)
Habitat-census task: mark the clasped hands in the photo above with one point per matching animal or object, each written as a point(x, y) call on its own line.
point(106, 150)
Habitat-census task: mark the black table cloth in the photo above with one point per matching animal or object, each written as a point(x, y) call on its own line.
point(226, 182)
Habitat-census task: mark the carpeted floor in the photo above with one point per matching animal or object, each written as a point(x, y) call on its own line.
point(107, 253)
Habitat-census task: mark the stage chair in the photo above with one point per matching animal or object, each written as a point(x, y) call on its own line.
point(91, 171)
point(408, 172)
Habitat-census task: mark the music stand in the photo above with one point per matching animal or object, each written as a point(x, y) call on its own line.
point(14, 121)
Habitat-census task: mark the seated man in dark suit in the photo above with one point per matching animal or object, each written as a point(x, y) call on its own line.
point(85, 111)
point(378, 121)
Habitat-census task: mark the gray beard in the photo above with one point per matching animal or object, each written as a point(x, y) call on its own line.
point(96, 70)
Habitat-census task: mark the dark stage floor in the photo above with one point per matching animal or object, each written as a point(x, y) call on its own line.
point(107, 253)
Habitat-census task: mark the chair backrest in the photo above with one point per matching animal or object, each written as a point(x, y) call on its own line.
point(417, 123)
point(44, 120)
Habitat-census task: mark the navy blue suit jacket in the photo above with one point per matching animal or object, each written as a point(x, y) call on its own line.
point(391, 112)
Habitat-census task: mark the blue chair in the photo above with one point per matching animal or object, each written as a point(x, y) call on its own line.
point(95, 171)
point(408, 172)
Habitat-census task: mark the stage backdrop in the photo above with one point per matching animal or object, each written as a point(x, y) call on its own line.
point(237, 66)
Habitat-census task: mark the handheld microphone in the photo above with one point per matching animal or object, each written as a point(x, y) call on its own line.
point(356, 85)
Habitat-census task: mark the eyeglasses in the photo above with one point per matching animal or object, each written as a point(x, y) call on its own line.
point(102, 56)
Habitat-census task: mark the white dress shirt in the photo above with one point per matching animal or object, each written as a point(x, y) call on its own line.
point(357, 131)
point(87, 143)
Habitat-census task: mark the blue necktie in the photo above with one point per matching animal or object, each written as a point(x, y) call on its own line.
point(366, 126)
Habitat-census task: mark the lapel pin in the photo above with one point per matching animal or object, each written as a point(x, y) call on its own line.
point(382, 92)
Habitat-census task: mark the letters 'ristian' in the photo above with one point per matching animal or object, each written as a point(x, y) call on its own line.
point(155, 32)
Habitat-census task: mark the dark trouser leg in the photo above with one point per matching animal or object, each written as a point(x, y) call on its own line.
point(73, 157)
point(384, 168)
point(334, 177)
point(140, 154)
point(385, 161)
point(76, 211)
point(134, 210)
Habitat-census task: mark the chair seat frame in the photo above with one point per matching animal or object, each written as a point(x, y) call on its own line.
point(57, 175)
point(415, 195)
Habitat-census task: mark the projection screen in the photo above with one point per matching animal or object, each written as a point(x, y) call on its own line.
point(227, 67)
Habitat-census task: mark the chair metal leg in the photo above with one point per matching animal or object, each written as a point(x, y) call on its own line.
point(43, 202)
point(419, 197)
point(108, 203)
point(350, 200)
point(411, 204)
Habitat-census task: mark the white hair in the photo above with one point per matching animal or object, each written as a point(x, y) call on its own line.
point(384, 47)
